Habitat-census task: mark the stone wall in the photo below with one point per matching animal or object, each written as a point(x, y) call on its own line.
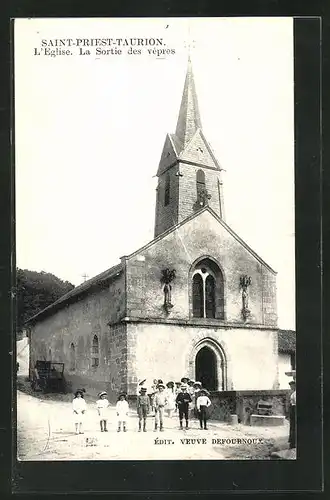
point(117, 358)
point(202, 236)
point(167, 215)
point(244, 404)
point(168, 351)
point(77, 324)
point(223, 406)
point(188, 190)
point(284, 365)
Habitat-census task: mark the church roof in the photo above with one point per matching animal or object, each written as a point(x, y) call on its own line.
point(188, 144)
point(97, 281)
point(221, 221)
point(286, 341)
point(189, 118)
point(86, 287)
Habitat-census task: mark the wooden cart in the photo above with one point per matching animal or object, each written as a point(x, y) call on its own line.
point(48, 377)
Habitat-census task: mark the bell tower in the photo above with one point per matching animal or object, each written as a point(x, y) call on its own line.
point(189, 176)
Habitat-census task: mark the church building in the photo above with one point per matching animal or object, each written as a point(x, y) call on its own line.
point(195, 301)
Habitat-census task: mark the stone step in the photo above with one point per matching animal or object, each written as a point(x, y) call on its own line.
point(267, 420)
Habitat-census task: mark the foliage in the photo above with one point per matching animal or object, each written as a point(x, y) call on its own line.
point(35, 291)
point(245, 281)
point(168, 275)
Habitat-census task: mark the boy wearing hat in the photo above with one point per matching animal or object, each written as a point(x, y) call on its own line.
point(159, 403)
point(153, 391)
point(177, 389)
point(183, 399)
point(203, 402)
point(122, 411)
point(191, 389)
point(197, 386)
point(143, 408)
point(102, 404)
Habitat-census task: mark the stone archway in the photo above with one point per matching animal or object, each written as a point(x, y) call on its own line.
point(208, 364)
point(206, 368)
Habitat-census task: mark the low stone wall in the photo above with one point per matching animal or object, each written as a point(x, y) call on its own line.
point(223, 405)
point(244, 404)
point(241, 403)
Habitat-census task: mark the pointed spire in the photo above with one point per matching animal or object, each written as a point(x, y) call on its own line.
point(189, 119)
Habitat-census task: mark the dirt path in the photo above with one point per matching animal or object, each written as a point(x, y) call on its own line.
point(46, 432)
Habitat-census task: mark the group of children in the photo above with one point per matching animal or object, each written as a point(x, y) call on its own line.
point(79, 407)
point(159, 400)
point(177, 398)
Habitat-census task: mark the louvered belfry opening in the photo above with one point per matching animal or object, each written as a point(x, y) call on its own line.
point(200, 182)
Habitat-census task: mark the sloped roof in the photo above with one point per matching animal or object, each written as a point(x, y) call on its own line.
point(287, 341)
point(192, 216)
point(177, 146)
point(79, 290)
point(89, 286)
point(189, 119)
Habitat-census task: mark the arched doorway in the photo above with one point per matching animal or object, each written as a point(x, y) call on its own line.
point(206, 368)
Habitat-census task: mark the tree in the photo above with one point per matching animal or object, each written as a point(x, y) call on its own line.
point(35, 291)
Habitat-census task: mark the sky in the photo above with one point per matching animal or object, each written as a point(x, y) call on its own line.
point(89, 132)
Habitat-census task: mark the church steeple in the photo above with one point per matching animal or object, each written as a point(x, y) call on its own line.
point(189, 118)
point(189, 175)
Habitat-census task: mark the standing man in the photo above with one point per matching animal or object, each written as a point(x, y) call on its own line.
point(143, 408)
point(292, 415)
point(183, 399)
point(160, 401)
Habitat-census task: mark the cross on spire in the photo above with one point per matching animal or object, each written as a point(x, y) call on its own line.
point(85, 276)
point(189, 42)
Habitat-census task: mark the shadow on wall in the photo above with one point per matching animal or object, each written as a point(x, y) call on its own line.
point(92, 387)
point(24, 385)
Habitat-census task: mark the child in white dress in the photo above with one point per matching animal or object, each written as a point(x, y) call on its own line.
point(171, 396)
point(79, 407)
point(102, 405)
point(122, 412)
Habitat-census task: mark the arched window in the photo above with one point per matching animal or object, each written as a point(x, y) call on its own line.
point(72, 357)
point(198, 304)
point(200, 182)
point(49, 354)
point(95, 352)
point(207, 290)
point(210, 296)
point(167, 190)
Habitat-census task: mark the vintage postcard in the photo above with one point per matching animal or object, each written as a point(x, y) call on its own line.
point(154, 164)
